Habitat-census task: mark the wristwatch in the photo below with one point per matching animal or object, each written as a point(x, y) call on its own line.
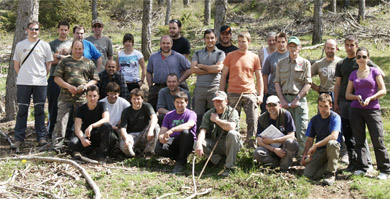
point(58, 56)
point(289, 104)
point(298, 98)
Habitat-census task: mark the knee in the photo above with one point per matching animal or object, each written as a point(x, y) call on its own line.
point(23, 108)
point(158, 149)
point(233, 135)
point(333, 144)
point(39, 108)
point(259, 155)
point(291, 145)
point(73, 144)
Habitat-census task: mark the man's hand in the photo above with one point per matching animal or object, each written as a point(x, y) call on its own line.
point(150, 135)
point(199, 149)
point(88, 131)
point(214, 117)
point(284, 103)
point(268, 141)
point(311, 151)
point(165, 137)
point(295, 103)
point(259, 100)
point(72, 90)
point(366, 102)
point(85, 142)
point(303, 160)
point(280, 152)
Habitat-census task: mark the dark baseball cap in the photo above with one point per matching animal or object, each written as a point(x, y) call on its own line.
point(226, 29)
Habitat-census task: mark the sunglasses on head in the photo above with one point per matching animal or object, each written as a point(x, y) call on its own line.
point(97, 26)
point(359, 56)
point(33, 29)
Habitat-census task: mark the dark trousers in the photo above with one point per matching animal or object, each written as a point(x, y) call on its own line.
point(179, 149)
point(373, 120)
point(131, 86)
point(53, 91)
point(102, 138)
point(23, 94)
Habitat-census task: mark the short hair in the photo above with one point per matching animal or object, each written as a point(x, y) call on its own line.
point(113, 87)
point(351, 38)
point(137, 92)
point(93, 88)
point(74, 41)
point(78, 27)
point(170, 38)
point(245, 35)
point(176, 21)
point(128, 37)
point(181, 95)
point(363, 49)
point(33, 22)
point(271, 34)
point(282, 35)
point(63, 23)
point(208, 31)
point(325, 97)
point(173, 75)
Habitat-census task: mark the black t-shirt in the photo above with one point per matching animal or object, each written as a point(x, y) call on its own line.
point(136, 120)
point(89, 117)
point(181, 46)
point(226, 49)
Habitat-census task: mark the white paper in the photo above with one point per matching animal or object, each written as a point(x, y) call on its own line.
point(272, 132)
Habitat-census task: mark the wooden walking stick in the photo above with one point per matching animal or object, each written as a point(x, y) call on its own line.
point(216, 143)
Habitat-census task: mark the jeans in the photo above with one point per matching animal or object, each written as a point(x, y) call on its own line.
point(23, 94)
point(179, 149)
point(53, 91)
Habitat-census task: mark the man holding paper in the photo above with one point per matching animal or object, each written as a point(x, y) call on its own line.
point(275, 136)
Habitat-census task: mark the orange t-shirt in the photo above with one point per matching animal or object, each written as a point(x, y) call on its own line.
point(242, 68)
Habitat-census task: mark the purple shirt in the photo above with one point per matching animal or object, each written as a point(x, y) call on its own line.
point(173, 119)
point(365, 87)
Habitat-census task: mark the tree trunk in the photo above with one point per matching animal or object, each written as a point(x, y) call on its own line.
point(28, 10)
point(186, 3)
point(207, 12)
point(317, 26)
point(333, 6)
point(146, 29)
point(160, 3)
point(362, 8)
point(94, 10)
point(347, 3)
point(168, 13)
point(220, 15)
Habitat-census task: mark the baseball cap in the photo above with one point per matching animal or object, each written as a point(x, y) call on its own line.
point(226, 29)
point(97, 21)
point(220, 95)
point(294, 40)
point(273, 99)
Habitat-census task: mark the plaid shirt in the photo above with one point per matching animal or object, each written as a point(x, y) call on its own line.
point(117, 78)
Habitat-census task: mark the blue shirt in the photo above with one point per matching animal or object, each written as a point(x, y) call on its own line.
point(160, 66)
point(90, 51)
point(322, 128)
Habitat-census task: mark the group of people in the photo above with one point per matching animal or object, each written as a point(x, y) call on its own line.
point(91, 109)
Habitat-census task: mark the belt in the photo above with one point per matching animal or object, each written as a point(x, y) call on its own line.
point(160, 84)
point(127, 82)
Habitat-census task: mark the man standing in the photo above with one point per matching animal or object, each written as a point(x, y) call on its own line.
point(321, 158)
point(292, 82)
point(222, 119)
point(207, 65)
point(90, 51)
point(267, 151)
point(114, 104)
point(225, 40)
point(139, 128)
point(74, 75)
point(177, 134)
point(180, 44)
point(32, 61)
point(60, 49)
point(269, 67)
point(241, 65)
point(161, 64)
point(101, 42)
point(267, 51)
point(93, 132)
point(166, 95)
point(111, 75)
point(325, 69)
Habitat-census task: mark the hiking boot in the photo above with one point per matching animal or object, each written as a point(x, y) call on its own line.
point(42, 142)
point(130, 149)
point(179, 168)
point(16, 144)
point(226, 172)
point(351, 167)
point(359, 172)
point(77, 155)
point(329, 179)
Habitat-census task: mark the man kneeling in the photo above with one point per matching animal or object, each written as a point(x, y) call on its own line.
point(220, 119)
point(139, 128)
point(321, 158)
point(94, 133)
point(177, 135)
point(278, 151)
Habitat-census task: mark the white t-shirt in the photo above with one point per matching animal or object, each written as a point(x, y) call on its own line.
point(33, 71)
point(129, 65)
point(115, 110)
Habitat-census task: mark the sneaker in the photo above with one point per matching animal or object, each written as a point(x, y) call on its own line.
point(131, 151)
point(370, 169)
point(351, 167)
point(179, 168)
point(383, 176)
point(42, 142)
point(344, 159)
point(359, 172)
point(77, 155)
point(329, 179)
point(226, 172)
point(16, 144)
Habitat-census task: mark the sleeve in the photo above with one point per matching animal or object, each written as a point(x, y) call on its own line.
point(195, 57)
point(166, 121)
point(49, 54)
point(124, 90)
point(93, 72)
point(227, 60)
point(290, 126)
point(335, 123)
point(314, 69)
point(260, 129)
point(110, 51)
point(140, 55)
point(266, 68)
point(338, 69)
point(236, 119)
point(52, 48)
point(59, 72)
point(149, 67)
point(308, 72)
point(206, 121)
point(277, 73)
point(257, 63)
point(352, 76)
point(310, 132)
point(79, 112)
point(187, 47)
point(160, 101)
point(221, 56)
point(95, 54)
point(375, 72)
point(149, 109)
point(189, 99)
point(17, 53)
point(185, 63)
point(124, 117)
point(104, 107)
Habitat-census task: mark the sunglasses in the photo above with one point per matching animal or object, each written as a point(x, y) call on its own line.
point(34, 29)
point(97, 26)
point(359, 56)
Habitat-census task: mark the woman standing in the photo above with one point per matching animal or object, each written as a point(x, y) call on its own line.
point(365, 87)
point(129, 60)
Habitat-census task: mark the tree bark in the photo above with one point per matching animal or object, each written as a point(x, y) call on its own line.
point(317, 26)
point(160, 3)
point(28, 10)
point(186, 3)
point(94, 10)
point(207, 12)
point(146, 29)
point(347, 3)
point(220, 15)
point(168, 12)
point(362, 8)
point(333, 6)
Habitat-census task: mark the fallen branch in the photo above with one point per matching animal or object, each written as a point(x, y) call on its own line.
point(39, 192)
point(207, 191)
point(6, 137)
point(90, 181)
point(167, 194)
